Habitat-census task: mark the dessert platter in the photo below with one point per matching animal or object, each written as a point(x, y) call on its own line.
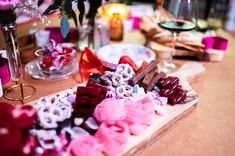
point(115, 113)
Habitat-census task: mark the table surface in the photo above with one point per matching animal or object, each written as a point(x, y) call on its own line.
point(209, 130)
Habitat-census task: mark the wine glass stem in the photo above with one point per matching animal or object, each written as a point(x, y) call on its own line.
point(170, 64)
point(173, 44)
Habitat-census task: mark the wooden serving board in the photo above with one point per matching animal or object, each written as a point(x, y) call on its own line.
point(188, 73)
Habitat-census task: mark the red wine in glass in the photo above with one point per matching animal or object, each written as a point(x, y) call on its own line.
point(177, 25)
point(180, 15)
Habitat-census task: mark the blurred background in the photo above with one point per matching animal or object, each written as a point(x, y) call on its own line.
point(213, 14)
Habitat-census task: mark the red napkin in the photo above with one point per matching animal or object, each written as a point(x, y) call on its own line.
point(88, 62)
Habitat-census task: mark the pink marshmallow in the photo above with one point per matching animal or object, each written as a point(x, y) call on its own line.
point(148, 103)
point(109, 109)
point(113, 135)
point(139, 114)
point(85, 145)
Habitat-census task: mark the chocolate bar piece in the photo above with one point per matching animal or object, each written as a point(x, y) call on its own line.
point(91, 91)
point(104, 89)
point(141, 74)
point(155, 80)
point(87, 101)
point(83, 112)
point(147, 79)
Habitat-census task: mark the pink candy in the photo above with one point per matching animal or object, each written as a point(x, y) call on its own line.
point(119, 119)
point(55, 56)
point(85, 145)
point(139, 115)
point(113, 135)
point(109, 109)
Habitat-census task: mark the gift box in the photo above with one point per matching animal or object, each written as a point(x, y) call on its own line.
point(4, 71)
point(215, 47)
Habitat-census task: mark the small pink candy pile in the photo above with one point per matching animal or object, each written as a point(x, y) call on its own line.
point(120, 119)
point(56, 56)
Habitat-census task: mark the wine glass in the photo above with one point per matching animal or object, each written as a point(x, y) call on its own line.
point(181, 15)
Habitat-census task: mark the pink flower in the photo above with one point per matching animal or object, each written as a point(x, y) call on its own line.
point(8, 4)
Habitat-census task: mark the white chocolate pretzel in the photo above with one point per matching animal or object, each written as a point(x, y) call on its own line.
point(124, 91)
point(126, 71)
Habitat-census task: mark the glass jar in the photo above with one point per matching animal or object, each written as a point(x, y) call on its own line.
point(116, 28)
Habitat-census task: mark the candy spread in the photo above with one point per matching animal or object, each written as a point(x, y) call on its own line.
point(94, 119)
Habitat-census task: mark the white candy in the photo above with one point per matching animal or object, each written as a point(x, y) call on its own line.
point(66, 109)
point(91, 123)
point(117, 79)
point(53, 109)
point(48, 116)
point(126, 71)
point(47, 138)
point(124, 91)
point(78, 121)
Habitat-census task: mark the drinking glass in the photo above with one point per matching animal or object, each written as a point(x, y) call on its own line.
point(182, 16)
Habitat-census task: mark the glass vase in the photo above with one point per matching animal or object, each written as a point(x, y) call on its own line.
point(15, 66)
point(12, 49)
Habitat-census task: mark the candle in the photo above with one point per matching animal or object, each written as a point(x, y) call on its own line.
point(108, 10)
point(114, 14)
point(116, 28)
